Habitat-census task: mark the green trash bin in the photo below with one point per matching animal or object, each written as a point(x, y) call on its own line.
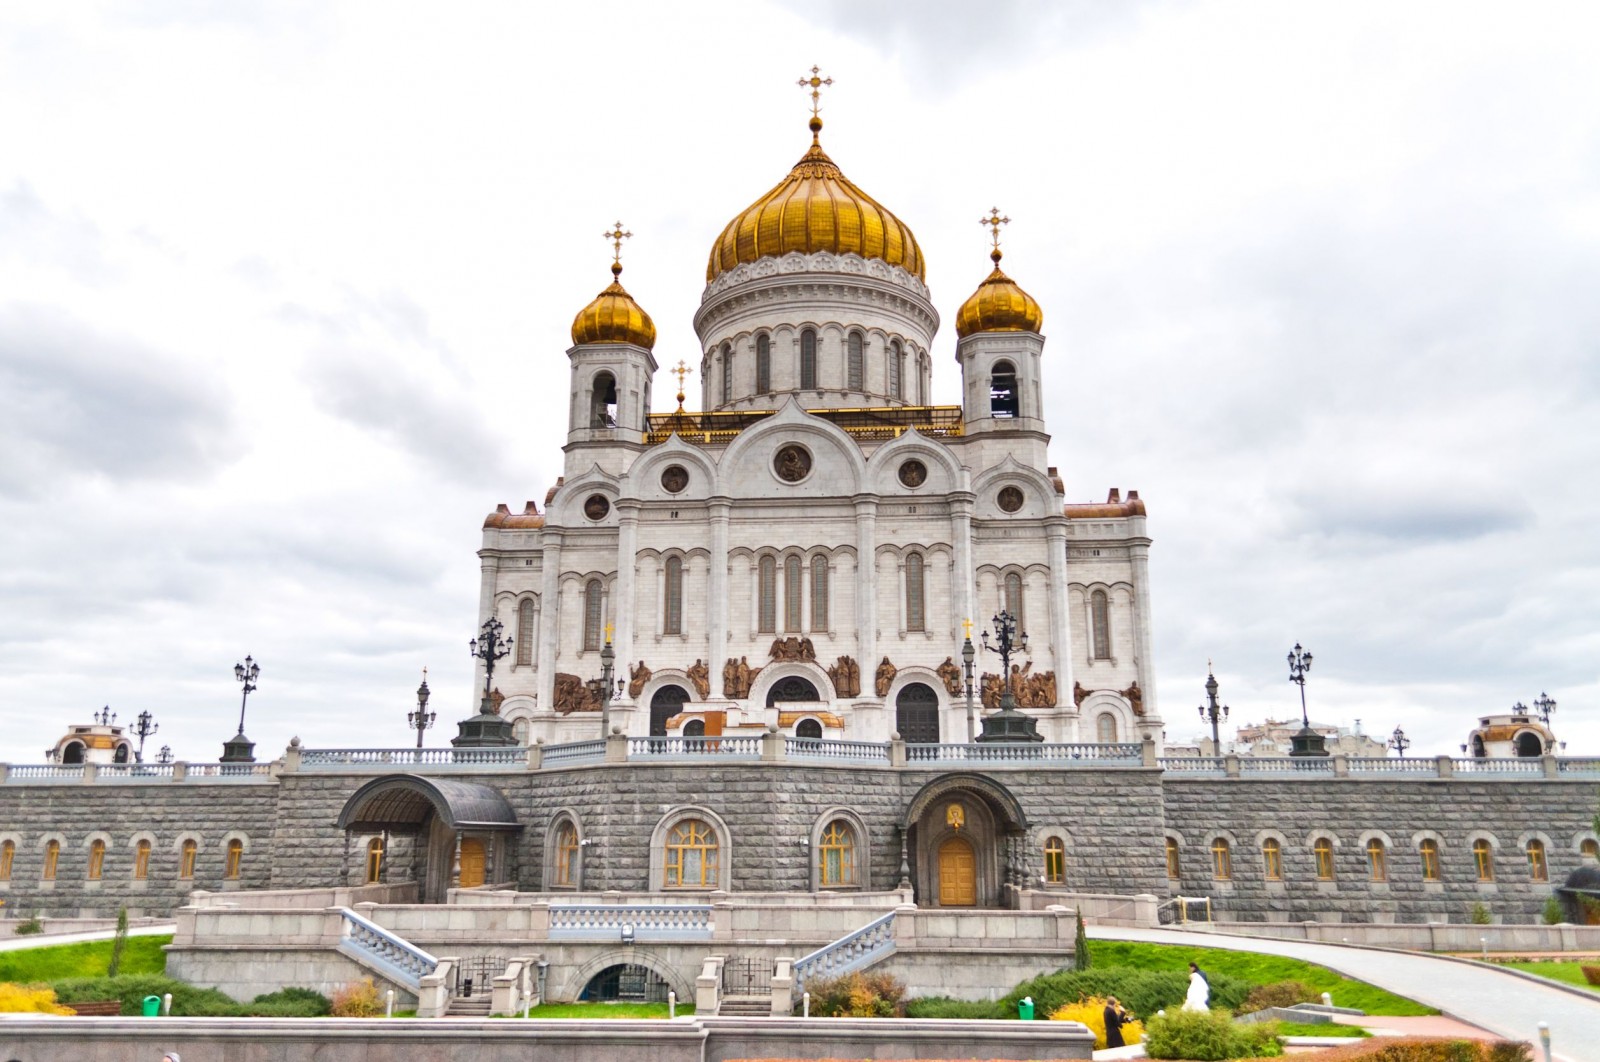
point(152, 1006)
point(1025, 1008)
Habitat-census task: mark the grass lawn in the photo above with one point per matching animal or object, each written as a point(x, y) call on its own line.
point(1567, 972)
point(606, 1010)
point(143, 955)
point(1331, 1028)
point(1253, 966)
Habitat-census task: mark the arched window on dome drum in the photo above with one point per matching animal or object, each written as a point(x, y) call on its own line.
point(672, 610)
point(853, 362)
point(603, 401)
point(819, 593)
point(837, 855)
point(525, 632)
point(767, 607)
point(593, 613)
point(896, 369)
point(1003, 399)
point(1100, 621)
point(374, 861)
point(1105, 728)
point(727, 373)
point(808, 359)
point(763, 364)
point(916, 612)
point(1538, 869)
point(1012, 600)
point(793, 580)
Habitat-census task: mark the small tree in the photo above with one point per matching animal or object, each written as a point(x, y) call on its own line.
point(1479, 914)
point(1080, 947)
point(118, 942)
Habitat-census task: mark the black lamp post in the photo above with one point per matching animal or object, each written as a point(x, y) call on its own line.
point(486, 728)
point(1399, 742)
point(421, 719)
point(1008, 724)
point(165, 755)
point(968, 653)
point(240, 749)
point(605, 688)
point(1213, 712)
point(1308, 742)
point(105, 716)
point(1546, 706)
point(143, 728)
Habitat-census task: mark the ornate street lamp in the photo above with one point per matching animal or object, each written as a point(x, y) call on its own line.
point(105, 716)
point(1212, 712)
point(604, 688)
point(1008, 724)
point(240, 749)
point(1546, 706)
point(1308, 742)
point(486, 728)
point(145, 726)
point(967, 655)
point(421, 719)
point(165, 755)
point(1399, 742)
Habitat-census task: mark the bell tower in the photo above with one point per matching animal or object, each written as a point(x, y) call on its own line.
point(612, 364)
point(1000, 350)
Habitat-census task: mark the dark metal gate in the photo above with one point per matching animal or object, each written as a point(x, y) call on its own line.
point(626, 983)
point(746, 976)
point(475, 976)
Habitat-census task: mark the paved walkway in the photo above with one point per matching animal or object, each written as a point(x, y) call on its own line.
point(46, 941)
point(1501, 1002)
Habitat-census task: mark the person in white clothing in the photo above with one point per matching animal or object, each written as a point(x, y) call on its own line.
point(1199, 990)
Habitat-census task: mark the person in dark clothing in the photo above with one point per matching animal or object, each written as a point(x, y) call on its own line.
point(1115, 1017)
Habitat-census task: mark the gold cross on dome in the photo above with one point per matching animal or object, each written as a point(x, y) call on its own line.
point(815, 83)
point(680, 371)
point(609, 629)
point(966, 625)
point(994, 221)
point(616, 236)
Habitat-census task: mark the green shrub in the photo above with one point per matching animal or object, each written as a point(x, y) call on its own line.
point(190, 1000)
point(1508, 1051)
point(29, 926)
point(1278, 994)
point(1478, 914)
point(1207, 1035)
point(1553, 915)
point(119, 943)
point(1080, 947)
point(1591, 974)
point(1143, 992)
point(945, 1007)
point(289, 1003)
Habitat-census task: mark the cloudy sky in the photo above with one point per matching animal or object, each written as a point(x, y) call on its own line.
point(285, 292)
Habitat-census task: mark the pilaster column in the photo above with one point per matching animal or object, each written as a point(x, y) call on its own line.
point(549, 620)
point(622, 598)
point(1139, 552)
point(717, 586)
point(867, 587)
point(1060, 617)
point(964, 585)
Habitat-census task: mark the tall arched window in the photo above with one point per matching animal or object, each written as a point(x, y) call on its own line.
point(1483, 857)
point(763, 364)
point(235, 859)
point(691, 857)
point(8, 855)
point(837, 855)
point(1377, 860)
point(853, 362)
point(1323, 850)
point(819, 593)
point(793, 580)
point(1272, 859)
point(896, 369)
point(1012, 598)
point(767, 591)
point(374, 860)
point(603, 401)
point(916, 613)
point(1538, 869)
point(97, 859)
point(525, 632)
point(593, 613)
point(141, 861)
point(808, 359)
point(1003, 390)
point(186, 858)
point(1100, 622)
point(1174, 868)
point(1429, 851)
point(672, 595)
point(1589, 849)
point(567, 847)
point(922, 382)
point(1221, 859)
point(1055, 861)
point(1105, 728)
point(727, 373)
point(52, 856)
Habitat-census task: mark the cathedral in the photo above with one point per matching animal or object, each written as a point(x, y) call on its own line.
point(812, 549)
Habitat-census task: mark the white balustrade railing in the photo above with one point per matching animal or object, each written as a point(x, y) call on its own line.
point(388, 759)
point(1023, 752)
point(575, 752)
point(1191, 764)
point(45, 772)
point(1576, 765)
point(825, 749)
point(398, 959)
point(1393, 765)
point(852, 952)
point(693, 747)
point(630, 921)
point(134, 772)
point(1286, 764)
point(1499, 765)
point(230, 772)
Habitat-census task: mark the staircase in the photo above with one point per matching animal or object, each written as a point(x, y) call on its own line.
point(745, 1006)
point(468, 1007)
point(870, 944)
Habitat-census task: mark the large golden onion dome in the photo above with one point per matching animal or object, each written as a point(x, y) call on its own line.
point(613, 317)
point(816, 208)
point(998, 305)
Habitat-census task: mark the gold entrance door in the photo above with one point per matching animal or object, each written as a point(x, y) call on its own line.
point(471, 863)
point(958, 874)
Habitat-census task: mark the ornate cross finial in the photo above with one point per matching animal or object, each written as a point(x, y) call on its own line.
point(609, 629)
point(815, 83)
point(616, 236)
point(966, 625)
point(993, 223)
point(680, 370)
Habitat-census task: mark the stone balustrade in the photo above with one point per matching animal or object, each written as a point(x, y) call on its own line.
point(391, 955)
point(853, 951)
point(630, 922)
point(1389, 768)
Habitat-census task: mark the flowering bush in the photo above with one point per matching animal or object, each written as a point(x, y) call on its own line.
point(1092, 1012)
point(857, 995)
point(30, 999)
point(358, 999)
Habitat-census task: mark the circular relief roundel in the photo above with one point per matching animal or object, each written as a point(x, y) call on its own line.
point(674, 478)
point(1009, 499)
point(596, 507)
point(792, 463)
point(913, 473)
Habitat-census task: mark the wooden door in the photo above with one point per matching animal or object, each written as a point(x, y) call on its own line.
point(958, 874)
point(472, 860)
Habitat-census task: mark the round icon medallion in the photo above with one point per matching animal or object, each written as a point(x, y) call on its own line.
point(913, 473)
point(792, 463)
point(674, 478)
point(1009, 499)
point(596, 507)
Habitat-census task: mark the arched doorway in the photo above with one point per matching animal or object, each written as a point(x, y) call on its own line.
point(958, 873)
point(792, 688)
point(808, 728)
point(1528, 744)
point(667, 702)
point(1478, 750)
point(73, 752)
point(916, 714)
point(439, 832)
point(625, 983)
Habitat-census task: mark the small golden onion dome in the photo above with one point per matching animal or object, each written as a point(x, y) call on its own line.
point(815, 208)
point(998, 305)
point(613, 317)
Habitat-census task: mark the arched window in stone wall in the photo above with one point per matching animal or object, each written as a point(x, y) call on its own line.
point(1221, 859)
point(853, 362)
point(1174, 866)
point(1100, 623)
point(896, 369)
point(727, 373)
point(691, 856)
point(593, 613)
point(1589, 849)
point(374, 860)
point(1377, 860)
point(52, 859)
point(1272, 859)
point(1055, 861)
point(809, 729)
point(1003, 391)
point(1011, 598)
point(819, 593)
point(235, 861)
point(566, 850)
point(1538, 867)
point(672, 597)
point(1428, 850)
point(603, 401)
point(808, 359)
point(836, 854)
point(525, 632)
point(1105, 728)
point(97, 859)
point(694, 728)
point(186, 858)
point(8, 856)
point(793, 581)
point(916, 610)
point(763, 364)
point(1483, 859)
point(767, 607)
point(1322, 849)
point(141, 861)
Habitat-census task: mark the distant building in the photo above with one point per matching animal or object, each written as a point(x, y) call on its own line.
point(1272, 738)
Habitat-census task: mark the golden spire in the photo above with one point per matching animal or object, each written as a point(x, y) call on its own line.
point(815, 83)
point(616, 236)
point(993, 222)
point(998, 305)
point(680, 371)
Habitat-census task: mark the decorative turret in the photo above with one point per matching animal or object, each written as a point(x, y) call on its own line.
point(1000, 348)
point(612, 338)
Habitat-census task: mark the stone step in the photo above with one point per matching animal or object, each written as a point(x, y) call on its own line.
point(468, 1007)
point(745, 1006)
